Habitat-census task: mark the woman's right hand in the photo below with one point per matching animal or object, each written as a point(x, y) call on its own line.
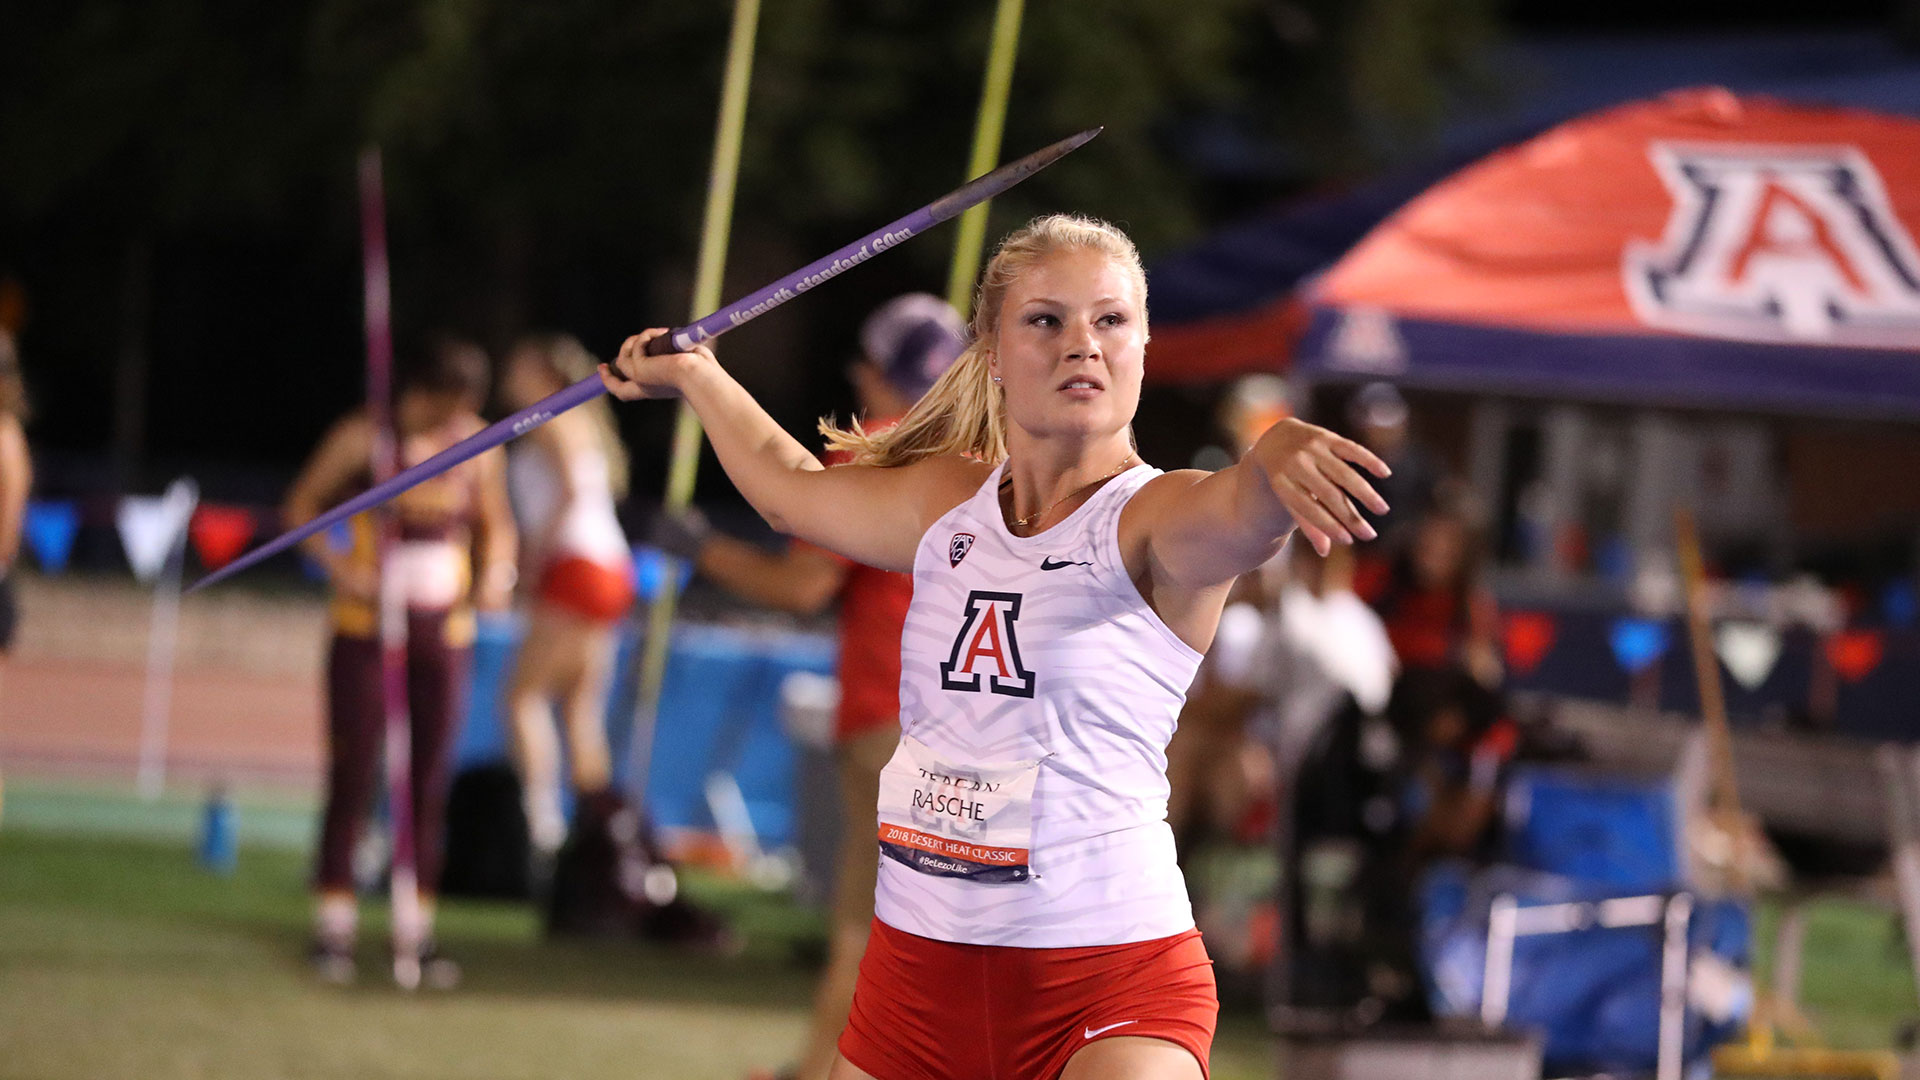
point(634, 374)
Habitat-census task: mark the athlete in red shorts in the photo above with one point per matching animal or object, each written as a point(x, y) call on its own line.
point(565, 477)
point(1033, 913)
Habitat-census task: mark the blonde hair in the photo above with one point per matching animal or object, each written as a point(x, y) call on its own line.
point(964, 413)
point(569, 361)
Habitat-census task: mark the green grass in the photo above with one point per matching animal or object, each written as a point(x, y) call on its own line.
point(1856, 984)
point(120, 958)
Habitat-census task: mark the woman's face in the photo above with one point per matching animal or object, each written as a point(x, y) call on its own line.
point(1071, 346)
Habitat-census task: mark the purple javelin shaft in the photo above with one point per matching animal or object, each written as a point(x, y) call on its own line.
point(741, 311)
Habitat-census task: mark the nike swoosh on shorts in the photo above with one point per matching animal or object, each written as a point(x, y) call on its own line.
point(1091, 1032)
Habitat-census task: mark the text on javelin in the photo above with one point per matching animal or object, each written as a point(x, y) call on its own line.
point(832, 270)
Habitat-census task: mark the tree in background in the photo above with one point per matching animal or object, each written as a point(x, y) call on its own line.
point(546, 161)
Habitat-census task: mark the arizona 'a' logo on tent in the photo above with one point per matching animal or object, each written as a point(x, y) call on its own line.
point(1785, 244)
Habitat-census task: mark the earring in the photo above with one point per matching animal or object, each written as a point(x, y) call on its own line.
point(996, 380)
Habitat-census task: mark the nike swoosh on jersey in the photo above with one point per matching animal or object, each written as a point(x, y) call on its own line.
point(1091, 1032)
point(1048, 563)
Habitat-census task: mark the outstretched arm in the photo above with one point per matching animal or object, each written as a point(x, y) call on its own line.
point(872, 515)
point(802, 579)
point(1200, 530)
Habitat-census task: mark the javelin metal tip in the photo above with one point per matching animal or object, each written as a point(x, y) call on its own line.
point(1006, 176)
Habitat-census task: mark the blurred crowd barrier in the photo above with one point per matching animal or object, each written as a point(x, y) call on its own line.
point(719, 713)
point(1855, 678)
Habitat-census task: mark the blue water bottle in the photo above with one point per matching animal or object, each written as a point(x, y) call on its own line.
point(219, 833)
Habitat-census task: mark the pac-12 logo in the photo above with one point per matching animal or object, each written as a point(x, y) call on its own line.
point(1776, 243)
point(958, 547)
point(988, 648)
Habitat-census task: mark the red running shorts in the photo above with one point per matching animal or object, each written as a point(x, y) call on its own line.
point(935, 1010)
point(594, 591)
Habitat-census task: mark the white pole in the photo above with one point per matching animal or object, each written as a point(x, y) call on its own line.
point(162, 636)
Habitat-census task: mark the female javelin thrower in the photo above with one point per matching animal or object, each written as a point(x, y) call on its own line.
point(1030, 920)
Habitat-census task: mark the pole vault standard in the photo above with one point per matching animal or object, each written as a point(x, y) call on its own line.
point(715, 227)
point(738, 313)
point(988, 126)
point(409, 921)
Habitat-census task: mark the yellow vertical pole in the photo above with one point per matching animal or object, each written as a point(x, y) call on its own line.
point(987, 129)
point(710, 268)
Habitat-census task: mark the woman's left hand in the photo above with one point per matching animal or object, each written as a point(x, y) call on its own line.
point(1308, 470)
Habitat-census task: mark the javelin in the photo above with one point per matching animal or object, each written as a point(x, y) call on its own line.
point(738, 313)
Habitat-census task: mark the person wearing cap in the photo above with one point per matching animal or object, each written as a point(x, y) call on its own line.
point(906, 345)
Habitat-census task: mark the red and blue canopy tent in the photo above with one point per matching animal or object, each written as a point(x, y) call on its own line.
point(1232, 303)
point(1699, 249)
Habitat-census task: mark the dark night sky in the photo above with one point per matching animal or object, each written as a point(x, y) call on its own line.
point(254, 333)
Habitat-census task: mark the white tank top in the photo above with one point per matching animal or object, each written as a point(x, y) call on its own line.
point(1033, 663)
point(588, 527)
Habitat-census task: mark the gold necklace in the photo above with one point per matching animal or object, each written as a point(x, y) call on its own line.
point(1027, 522)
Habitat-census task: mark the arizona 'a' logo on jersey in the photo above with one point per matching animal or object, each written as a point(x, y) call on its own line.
point(1782, 244)
point(986, 652)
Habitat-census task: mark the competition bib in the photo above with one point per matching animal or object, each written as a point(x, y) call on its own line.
point(964, 821)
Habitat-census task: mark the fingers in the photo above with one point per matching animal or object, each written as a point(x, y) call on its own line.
point(1337, 505)
point(633, 350)
point(1354, 452)
point(1356, 485)
point(644, 338)
point(1322, 543)
point(626, 376)
point(619, 385)
point(1310, 514)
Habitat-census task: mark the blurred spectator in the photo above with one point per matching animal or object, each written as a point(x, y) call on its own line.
point(1252, 405)
point(1277, 682)
point(1288, 656)
point(441, 524)
point(906, 344)
point(1379, 419)
point(1329, 646)
point(16, 481)
point(564, 478)
point(1459, 745)
point(1213, 771)
point(1439, 611)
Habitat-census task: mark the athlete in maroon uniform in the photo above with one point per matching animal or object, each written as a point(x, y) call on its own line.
point(443, 523)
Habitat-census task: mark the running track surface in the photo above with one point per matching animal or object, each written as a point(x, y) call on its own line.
point(80, 718)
